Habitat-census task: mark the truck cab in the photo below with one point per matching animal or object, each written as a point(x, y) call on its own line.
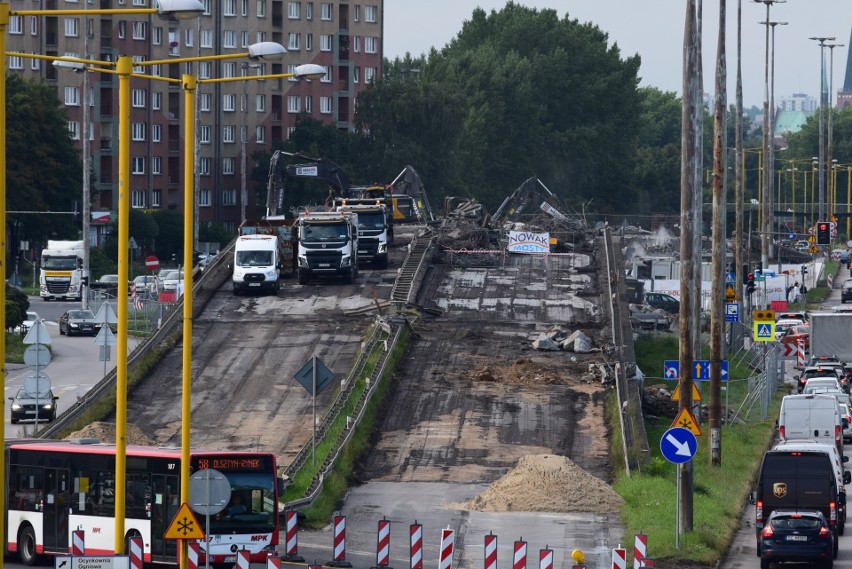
point(374, 230)
point(62, 271)
point(328, 245)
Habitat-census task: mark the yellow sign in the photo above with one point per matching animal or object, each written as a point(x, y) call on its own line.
point(184, 525)
point(764, 330)
point(760, 314)
point(696, 395)
point(729, 292)
point(687, 420)
point(812, 239)
point(813, 249)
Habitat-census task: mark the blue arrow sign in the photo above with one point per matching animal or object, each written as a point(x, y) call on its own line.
point(701, 370)
point(671, 369)
point(678, 445)
point(732, 312)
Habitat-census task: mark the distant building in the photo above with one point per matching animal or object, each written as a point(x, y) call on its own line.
point(844, 97)
point(798, 102)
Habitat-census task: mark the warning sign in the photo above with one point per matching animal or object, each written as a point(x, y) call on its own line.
point(696, 395)
point(184, 525)
point(687, 420)
point(764, 331)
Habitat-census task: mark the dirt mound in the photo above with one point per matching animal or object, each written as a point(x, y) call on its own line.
point(105, 432)
point(547, 483)
point(522, 372)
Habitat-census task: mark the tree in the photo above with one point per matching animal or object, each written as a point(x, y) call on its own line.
point(17, 305)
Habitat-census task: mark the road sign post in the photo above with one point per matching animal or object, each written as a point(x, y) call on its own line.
point(678, 446)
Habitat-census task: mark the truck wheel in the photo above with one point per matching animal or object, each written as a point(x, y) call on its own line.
point(236, 291)
point(350, 276)
point(303, 279)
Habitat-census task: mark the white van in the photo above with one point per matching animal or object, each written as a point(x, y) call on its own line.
point(811, 416)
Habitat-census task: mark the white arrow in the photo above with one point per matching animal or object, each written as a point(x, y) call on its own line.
point(724, 372)
point(682, 447)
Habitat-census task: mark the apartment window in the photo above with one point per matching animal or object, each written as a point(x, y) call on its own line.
point(35, 64)
point(74, 130)
point(290, 131)
point(206, 4)
point(157, 36)
point(122, 29)
point(137, 131)
point(260, 134)
point(204, 198)
point(189, 37)
point(138, 98)
point(260, 36)
point(261, 8)
point(327, 77)
point(309, 104)
point(228, 166)
point(229, 197)
point(138, 165)
point(309, 42)
point(293, 41)
point(325, 42)
point(137, 198)
point(157, 100)
point(156, 132)
point(205, 38)
point(137, 59)
point(204, 101)
point(309, 11)
point(229, 38)
point(72, 96)
point(16, 62)
point(292, 104)
point(156, 198)
point(205, 69)
point(72, 27)
point(229, 7)
point(294, 10)
point(369, 74)
point(229, 69)
point(325, 105)
point(356, 74)
point(33, 24)
point(156, 70)
point(204, 166)
point(228, 133)
point(204, 134)
point(244, 39)
point(138, 3)
point(369, 14)
point(16, 25)
point(260, 103)
point(370, 44)
point(140, 30)
point(326, 11)
point(244, 7)
point(156, 165)
point(357, 12)
point(229, 102)
point(356, 44)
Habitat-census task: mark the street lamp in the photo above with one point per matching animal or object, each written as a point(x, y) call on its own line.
point(822, 96)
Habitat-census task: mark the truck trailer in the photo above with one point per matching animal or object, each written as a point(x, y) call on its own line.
point(830, 334)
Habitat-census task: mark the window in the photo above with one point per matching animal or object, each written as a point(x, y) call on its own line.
point(370, 44)
point(244, 39)
point(204, 198)
point(157, 100)
point(228, 166)
point(292, 104)
point(369, 74)
point(229, 102)
point(290, 131)
point(260, 134)
point(138, 3)
point(138, 166)
point(33, 25)
point(229, 69)
point(229, 197)
point(228, 133)
point(325, 105)
point(72, 96)
point(189, 36)
point(137, 198)
point(229, 38)
point(309, 11)
point(16, 25)
point(140, 30)
point(356, 44)
point(156, 132)
point(357, 12)
point(327, 77)
point(293, 10)
point(309, 104)
point(229, 8)
point(309, 42)
point(370, 13)
point(204, 166)
point(325, 42)
point(293, 41)
point(122, 29)
point(244, 7)
point(261, 8)
point(206, 4)
point(137, 131)
point(205, 69)
point(138, 98)
point(74, 130)
point(205, 38)
point(16, 62)
point(136, 60)
point(72, 27)
point(326, 11)
point(157, 36)
point(204, 102)
point(356, 74)
point(260, 103)
point(35, 64)
point(156, 198)
point(156, 165)
point(204, 134)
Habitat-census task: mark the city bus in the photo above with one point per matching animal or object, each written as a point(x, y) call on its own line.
point(55, 487)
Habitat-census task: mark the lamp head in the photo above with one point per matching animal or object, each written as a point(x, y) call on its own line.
point(309, 71)
point(75, 66)
point(266, 50)
point(179, 9)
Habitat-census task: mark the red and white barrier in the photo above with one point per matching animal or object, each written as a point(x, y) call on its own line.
point(619, 558)
point(640, 549)
point(800, 352)
point(545, 558)
point(519, 561)
point(243, 559)
point(448, 540)
point(273, 562)
point(136, 553)
point(490, 551)
point(78, 542)
point(291, 536)
point(383, 544)
point(416, 533)
point(192, 550)
point(339, 538)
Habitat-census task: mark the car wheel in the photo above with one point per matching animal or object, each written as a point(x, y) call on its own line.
point(27, 546)
point(764, 563)
point(61, 331)
point(13, 420)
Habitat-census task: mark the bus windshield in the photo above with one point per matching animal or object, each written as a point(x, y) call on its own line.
point(252, 507)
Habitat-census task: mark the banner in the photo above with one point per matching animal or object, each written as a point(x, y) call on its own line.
point(527, 242)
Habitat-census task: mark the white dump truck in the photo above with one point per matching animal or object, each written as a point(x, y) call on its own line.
point(328, 245)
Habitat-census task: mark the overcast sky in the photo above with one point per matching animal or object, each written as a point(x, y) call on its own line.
point(654, 30)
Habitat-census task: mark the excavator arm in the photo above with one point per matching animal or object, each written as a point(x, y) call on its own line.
point(532, 191)
point(312, 168)
point(408, 183)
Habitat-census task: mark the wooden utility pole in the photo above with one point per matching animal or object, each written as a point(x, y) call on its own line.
point(698, 185)
point(739, 193)
point(688, 163)
point(717, 300)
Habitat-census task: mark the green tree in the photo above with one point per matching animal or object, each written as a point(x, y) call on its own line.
point(17, 305)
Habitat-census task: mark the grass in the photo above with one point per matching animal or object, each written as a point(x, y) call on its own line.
point(15, 348)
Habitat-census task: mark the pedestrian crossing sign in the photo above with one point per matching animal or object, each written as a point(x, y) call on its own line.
point(764, 331)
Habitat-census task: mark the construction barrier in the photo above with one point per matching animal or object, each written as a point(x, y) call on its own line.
point(192, 550)
point(383, 544)
point(520, 559)
point(273, 562)
point(619, 558)
point(339, 538)
point(416, 534)
point(445, 560)
point(78, 542)
point(490, 551)
point(136, 553)
point(640, 549)
point(243, 559)
point(545, 558)
point(800, 352)
point(291, 537)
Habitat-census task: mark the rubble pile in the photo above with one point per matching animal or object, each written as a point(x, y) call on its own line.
point(528, 372)
point(557, 339)
point(657, 401)
point(105, 432)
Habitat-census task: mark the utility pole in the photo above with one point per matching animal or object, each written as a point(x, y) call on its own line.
point(833, 191)
point(822, 96)
point(717, 301)
point(688, 165)
point(698, 184)
point(739, 193)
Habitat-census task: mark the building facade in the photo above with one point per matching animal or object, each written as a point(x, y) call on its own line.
point(233, 119)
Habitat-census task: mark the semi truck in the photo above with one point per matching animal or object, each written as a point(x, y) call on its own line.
point(375, 229)
point(327, 245)
point(830, 334)
point(62, 270)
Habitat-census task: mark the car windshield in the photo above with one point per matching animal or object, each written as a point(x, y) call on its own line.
point(32, 316)
point(24, 394)
point(81, 315)
point(254, 258)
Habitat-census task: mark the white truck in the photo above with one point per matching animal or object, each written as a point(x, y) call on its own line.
point(328, 245)
point(62, 270)
point(830, 335)
point(374, 230)
point(256, 264)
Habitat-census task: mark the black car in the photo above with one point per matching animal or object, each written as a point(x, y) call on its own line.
point(846, 291)
point(796, 535)
point(78, 322)
point(25, 404)
point(663, 301)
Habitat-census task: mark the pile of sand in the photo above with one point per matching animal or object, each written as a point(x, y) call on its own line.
point(518, 372)
point(105, 432)
point(547, 483)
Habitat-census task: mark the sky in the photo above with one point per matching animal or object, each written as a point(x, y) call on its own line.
point(654, 30)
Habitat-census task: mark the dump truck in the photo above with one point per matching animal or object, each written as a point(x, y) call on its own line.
point(327, 245)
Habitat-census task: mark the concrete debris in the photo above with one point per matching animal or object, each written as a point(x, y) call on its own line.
point(546, 344)
point(557, 339)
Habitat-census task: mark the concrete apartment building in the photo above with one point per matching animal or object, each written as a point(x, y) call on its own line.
point(234, 119)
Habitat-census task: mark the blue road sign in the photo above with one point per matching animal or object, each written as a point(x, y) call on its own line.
point(791, 237)
point(730, 278)
point(732, 312)
point(700, 370)
point(678, 445)
point(671, 369)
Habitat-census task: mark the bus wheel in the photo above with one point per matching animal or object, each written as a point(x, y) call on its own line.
point(27, 546)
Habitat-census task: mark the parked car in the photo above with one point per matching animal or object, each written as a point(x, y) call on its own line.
point(663, 301)
point(846, 291)
point(78, 322)
point(25, 404)
point(27, 323)
point(796, 535)
point(169, 281)
point(107, 283)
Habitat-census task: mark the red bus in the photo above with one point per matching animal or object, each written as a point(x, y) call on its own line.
point(54, 487)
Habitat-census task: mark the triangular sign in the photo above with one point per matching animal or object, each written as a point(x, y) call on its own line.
point(105, 337)
point(37, 334)
point(184, 525)
point(106, 315)
point(696, 395)
point(687, 420)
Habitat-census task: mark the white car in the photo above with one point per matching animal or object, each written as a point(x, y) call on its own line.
point(170, 280)
point(781, 326)
point(27, 323)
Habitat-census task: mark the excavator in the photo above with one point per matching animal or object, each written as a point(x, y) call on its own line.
point(405, 196)
point(532, 191)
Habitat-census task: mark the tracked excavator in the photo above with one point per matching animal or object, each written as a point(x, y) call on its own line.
point(531, 192)
point(309, 168)
point(405, 197)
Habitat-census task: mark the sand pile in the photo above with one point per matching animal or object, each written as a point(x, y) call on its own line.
point(547, 483)
point(105, 432)
point(518, 372)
